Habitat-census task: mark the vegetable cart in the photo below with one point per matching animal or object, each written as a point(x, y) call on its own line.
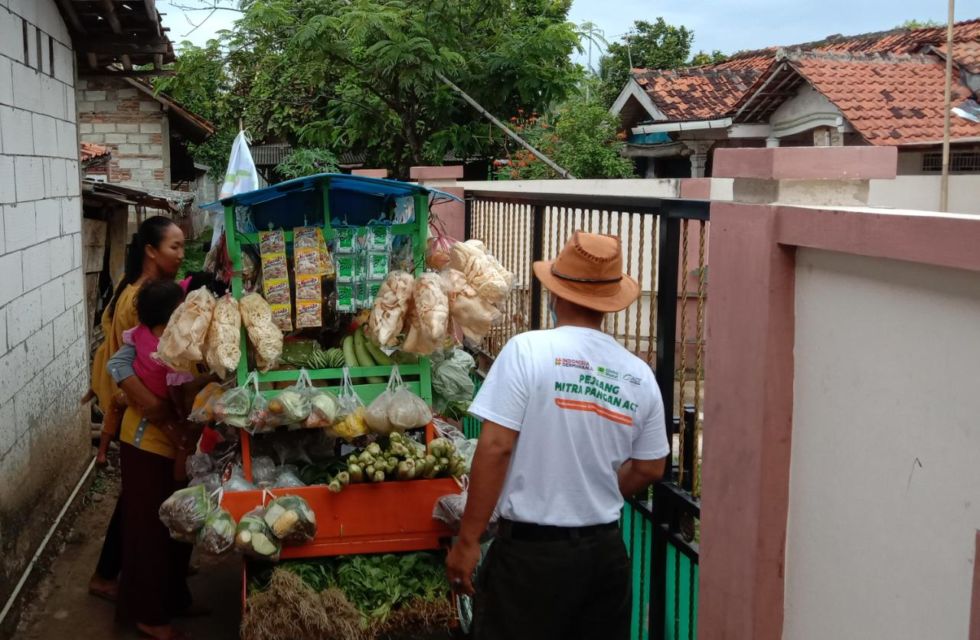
point(389, 516)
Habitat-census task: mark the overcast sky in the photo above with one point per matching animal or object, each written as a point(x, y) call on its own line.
point(728, 25)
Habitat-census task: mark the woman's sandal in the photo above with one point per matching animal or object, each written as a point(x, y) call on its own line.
point(107, 593)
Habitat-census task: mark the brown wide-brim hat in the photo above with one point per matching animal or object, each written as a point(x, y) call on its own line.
point(589, 273)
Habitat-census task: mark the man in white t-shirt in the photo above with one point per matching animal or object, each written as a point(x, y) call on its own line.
point(572, 423)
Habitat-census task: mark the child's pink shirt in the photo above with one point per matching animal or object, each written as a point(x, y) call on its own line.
point(156, 376)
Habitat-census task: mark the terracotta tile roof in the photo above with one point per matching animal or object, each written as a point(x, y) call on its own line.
point(965, 54)
point(890, 99)
point(696, 94)
point(90, 152)
point(713, 91)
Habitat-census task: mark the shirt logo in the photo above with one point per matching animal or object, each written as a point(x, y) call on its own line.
point(606, 372)
point(632, 379)
point(574, 364)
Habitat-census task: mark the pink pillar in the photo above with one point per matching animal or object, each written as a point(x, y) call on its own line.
point(452, 214)
point(747, 447)
point(750, 369)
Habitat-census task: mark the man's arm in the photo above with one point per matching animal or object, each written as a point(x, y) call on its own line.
point(487, 475)
point(637, 475)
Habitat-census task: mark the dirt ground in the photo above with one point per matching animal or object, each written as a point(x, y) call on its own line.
point(59, 606)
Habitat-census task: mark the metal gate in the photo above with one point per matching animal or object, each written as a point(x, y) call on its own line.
point(665, 248)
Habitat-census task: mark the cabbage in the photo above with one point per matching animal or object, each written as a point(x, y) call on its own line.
point(451, 381)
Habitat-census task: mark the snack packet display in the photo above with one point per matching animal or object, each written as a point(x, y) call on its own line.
point(275, 277)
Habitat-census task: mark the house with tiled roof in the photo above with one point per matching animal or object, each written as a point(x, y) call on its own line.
point(875, 89)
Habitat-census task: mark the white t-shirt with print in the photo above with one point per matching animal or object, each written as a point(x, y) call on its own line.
point(583, 405)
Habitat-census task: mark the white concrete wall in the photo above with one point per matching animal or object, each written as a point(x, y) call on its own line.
point(43, 364)
point(884, 506)
point(922, 192)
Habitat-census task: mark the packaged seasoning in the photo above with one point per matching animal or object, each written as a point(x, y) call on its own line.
point(308, 288)
point(309, 313)
point(282, 316)
point(347, 270)
point(272, 242)
point(274, 266)
point(307, 262)
point(306, 238)
point(346, 240)
point(345, 297)
point(379, 238)
point(377, 266)
point(374, 288)
point(277, 291)
point(361, 294)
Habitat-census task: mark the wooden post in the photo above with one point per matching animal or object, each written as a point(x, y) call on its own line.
point(944, 185)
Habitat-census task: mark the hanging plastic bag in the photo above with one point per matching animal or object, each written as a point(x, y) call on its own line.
point(439, 248)
point(263, 470)
point(233, 408)
point(237, 481)
point(218, 533)
point(184, 512)
point(291, 405)
point(323, 408)
point(291, 520)
point(376, 415)
point(205, 402)
point(210, 481)
point(452, 384)
point(199, 465)
point(352, 413)
point(407, 410)
point(254, 538)
point(287, 478)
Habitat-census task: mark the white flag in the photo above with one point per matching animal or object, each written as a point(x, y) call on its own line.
point(240, 177)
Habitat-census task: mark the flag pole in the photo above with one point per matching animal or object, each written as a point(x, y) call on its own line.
point(948, 94)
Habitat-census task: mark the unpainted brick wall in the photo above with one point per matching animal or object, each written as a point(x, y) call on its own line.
point(43, 352)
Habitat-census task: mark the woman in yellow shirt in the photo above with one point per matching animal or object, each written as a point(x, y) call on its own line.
point(152, 588)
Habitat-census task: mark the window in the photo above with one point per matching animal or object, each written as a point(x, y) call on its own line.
point(40, 56)
point(27, 43)
point(50, 56)
point(959, 162)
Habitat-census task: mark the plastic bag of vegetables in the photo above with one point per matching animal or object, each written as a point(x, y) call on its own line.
point(237, 481)
point(291, 405)
point(323, 408)
point(376, 415)
point(408, 411)
point(254, 538)
point(291, 520)
point(184, 512)
point(352, 423)
point(233, 407)
point(452, 384)
point(203, 408)
point(218, 534)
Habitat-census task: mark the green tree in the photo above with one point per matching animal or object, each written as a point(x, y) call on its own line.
point(360, 75)
point(701, 58)
point(580, 135)
point(201, 83)
point(307, 162)
point(650, 45)
point(920, 24)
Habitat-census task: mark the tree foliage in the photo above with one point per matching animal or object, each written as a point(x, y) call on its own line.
point(307, 162)
point(650, 45)
point(701, 58)
point(920, 24)
point(361, 75)
point(580, 135)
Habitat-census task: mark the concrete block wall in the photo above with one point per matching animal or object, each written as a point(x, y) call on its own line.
point(115, 114)
point(43, 351)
